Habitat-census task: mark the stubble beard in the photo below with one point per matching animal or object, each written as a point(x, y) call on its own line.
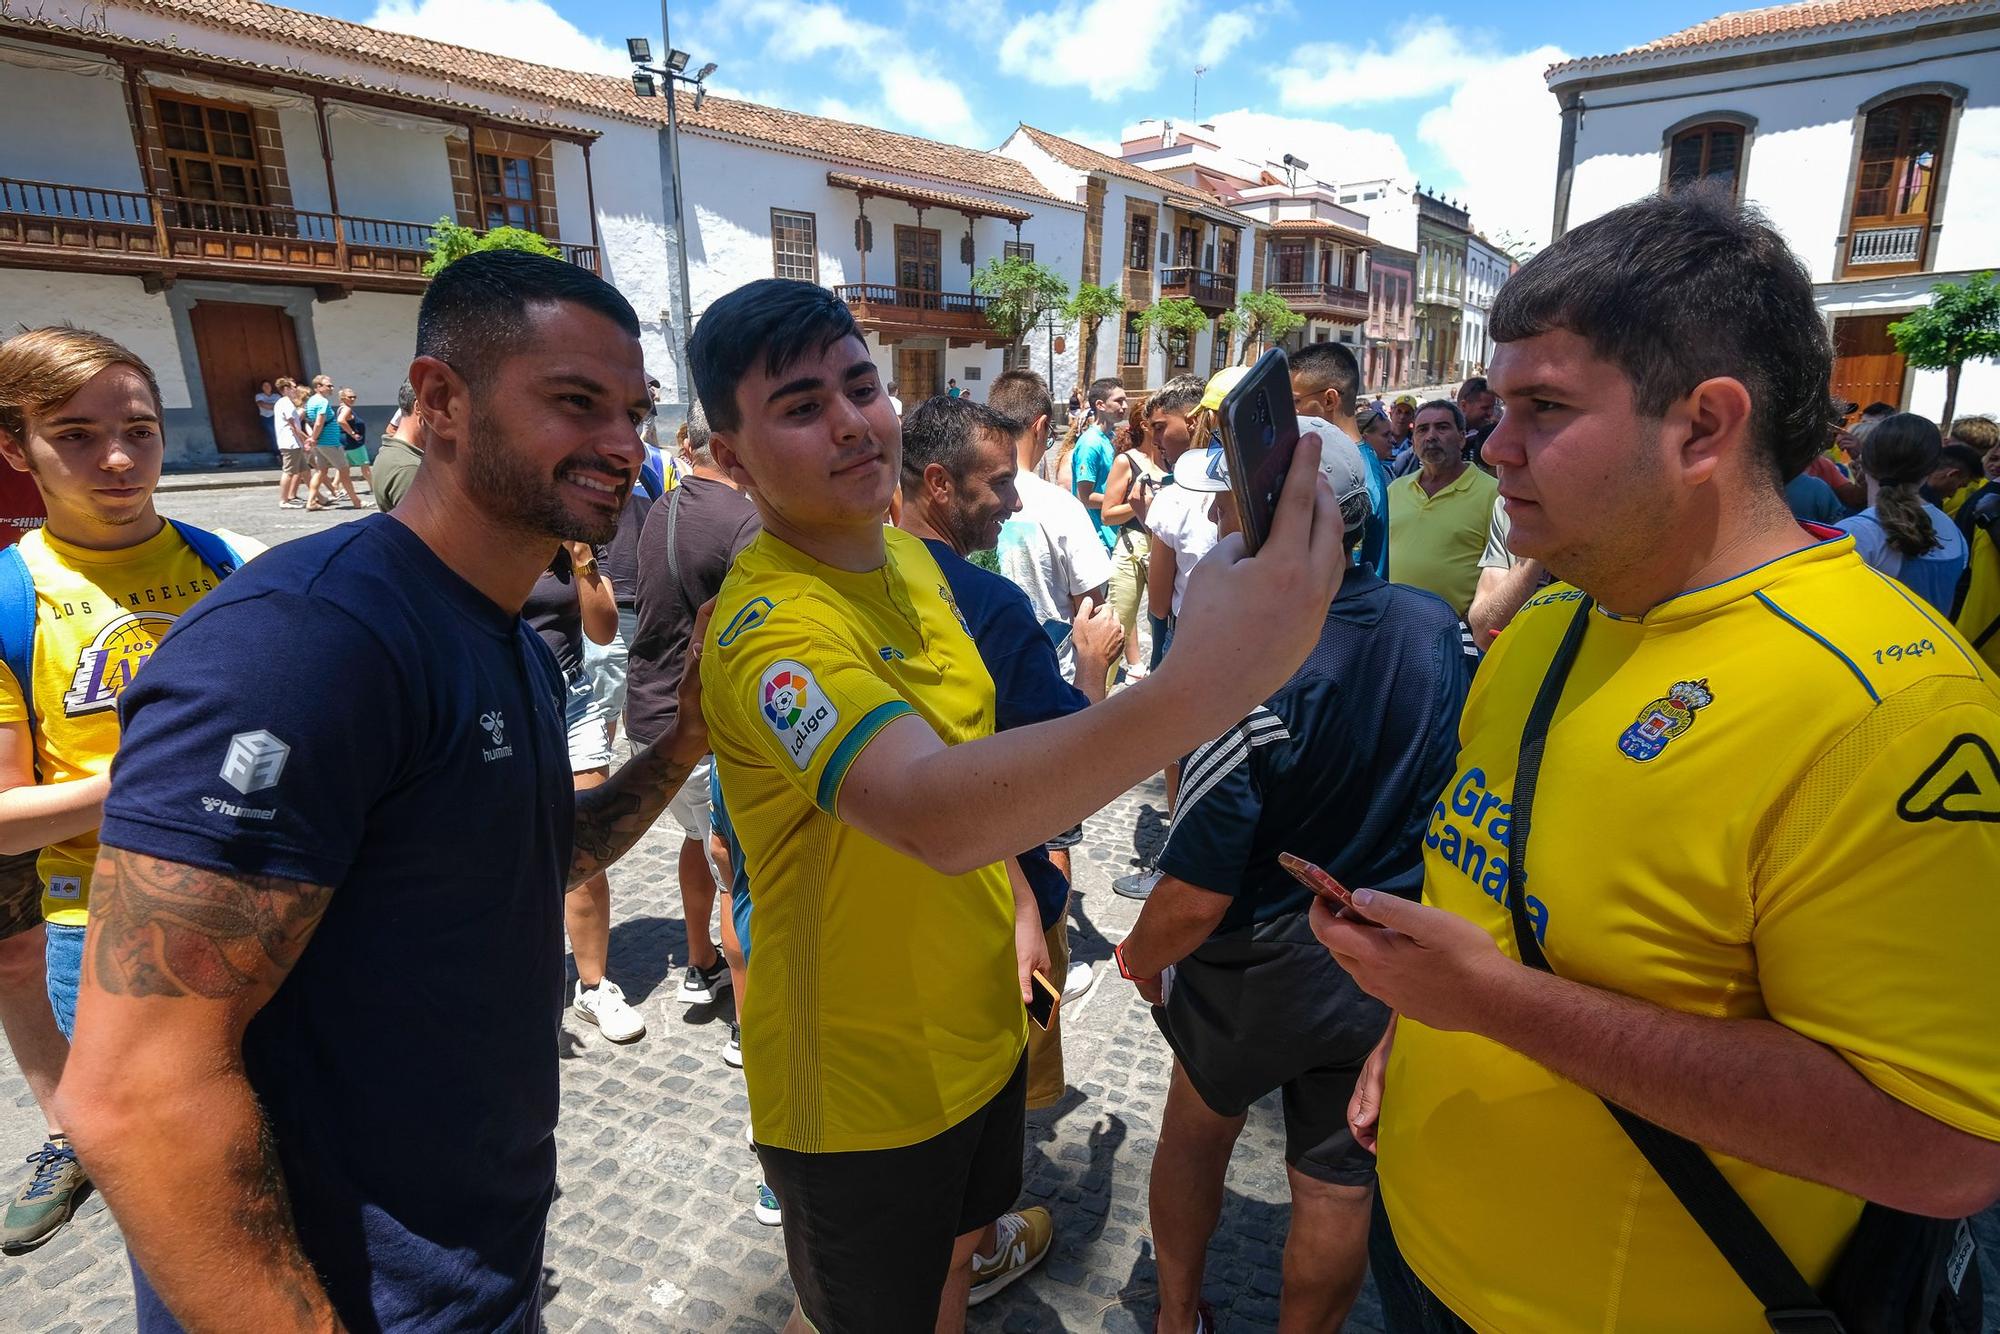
point(512, 491)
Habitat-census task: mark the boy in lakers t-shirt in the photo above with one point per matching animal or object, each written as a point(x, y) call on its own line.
point(106, 579)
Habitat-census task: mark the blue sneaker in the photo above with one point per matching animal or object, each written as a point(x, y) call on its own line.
point(42, 1206)
point(768, 1212)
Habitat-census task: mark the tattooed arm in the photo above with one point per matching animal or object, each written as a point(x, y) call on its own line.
point(611, 816)
point(155, 1096)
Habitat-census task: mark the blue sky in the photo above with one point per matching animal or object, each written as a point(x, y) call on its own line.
point(1450, 93)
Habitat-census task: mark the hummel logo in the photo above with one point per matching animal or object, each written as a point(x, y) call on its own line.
point(494, 725)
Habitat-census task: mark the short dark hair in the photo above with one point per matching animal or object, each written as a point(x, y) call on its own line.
point(476, 311)
point(406, 398)
point(1445, 404)
point(1021, 397)
point(1473, 387)
point(1681, 288)
point(946, 430)
point(1329, 366)
point(780, 319)
point(1963, 457)
point(1878, 410)
point(1181, 394)
point(1100, 390)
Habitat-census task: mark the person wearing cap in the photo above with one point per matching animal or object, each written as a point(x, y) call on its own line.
point(1340, 767)
point(1402, 422)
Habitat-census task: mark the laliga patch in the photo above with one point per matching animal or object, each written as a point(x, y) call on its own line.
point(796, 709)
point(1961, 784)
point(1664, 719)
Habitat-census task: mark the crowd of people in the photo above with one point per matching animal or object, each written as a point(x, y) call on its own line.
point(1715, 1056)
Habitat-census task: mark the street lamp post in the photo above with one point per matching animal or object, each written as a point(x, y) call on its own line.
point(647, 80)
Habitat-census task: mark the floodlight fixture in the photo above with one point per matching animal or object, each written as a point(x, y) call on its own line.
point(677, 60)
point(642, 83)
point(704, 71)
point(640, 50)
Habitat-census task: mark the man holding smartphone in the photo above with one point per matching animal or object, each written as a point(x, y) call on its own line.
point(852, 724)
point(1340, 767)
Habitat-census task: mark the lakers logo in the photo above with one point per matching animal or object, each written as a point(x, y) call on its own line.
point(107, 666)
point(1664, 719)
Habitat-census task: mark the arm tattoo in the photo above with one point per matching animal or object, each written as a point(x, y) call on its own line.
point(611, 817)
point(164, 929)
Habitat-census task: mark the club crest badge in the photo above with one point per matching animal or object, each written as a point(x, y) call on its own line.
point(1664, 719)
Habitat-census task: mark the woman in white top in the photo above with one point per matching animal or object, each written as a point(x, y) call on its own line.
point(1901, 534)
point(267, 400)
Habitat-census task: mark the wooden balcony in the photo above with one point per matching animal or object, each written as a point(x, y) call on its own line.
point(1213, 292)
point(44, 224)
point(1325, 301)
point(895, 313)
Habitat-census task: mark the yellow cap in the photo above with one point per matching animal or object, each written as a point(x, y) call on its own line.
point(1220, 384)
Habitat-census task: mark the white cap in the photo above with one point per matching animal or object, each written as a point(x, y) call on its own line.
point(1339, 459)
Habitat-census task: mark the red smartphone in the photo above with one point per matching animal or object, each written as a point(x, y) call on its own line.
point(1045, 999)
point(1324, 885)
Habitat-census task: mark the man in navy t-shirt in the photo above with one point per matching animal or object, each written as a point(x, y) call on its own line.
point(1340, 767)
point(314, 1071)
point(958, 488)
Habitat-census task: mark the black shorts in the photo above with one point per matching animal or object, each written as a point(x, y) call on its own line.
point(20, 893)
point(868, 1234)
point(1266, 1007)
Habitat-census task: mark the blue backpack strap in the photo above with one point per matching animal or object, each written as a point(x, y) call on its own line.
point(215, 553)
point(17, 624)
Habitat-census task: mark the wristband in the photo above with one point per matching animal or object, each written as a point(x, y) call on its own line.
point(1118, 956)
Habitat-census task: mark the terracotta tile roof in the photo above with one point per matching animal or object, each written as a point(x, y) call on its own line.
point(1073, 154)
point(610, 95)
point(1320, 227)
point(917, 194)
point(1756, 25)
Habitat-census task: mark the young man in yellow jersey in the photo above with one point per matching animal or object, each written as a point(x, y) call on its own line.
point(81, 416)
point(1763, 842)
point(852, 724)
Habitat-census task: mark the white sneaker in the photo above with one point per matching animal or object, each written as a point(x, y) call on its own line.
point(1077, 983)
point(604, 1005)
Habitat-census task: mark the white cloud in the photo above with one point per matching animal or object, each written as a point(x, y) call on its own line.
point(1105, 47)
point(1336, 152)
point(524, 29)
point(1497, 136)
point(1223, 34)
point(911, 91)
point(1430, 56)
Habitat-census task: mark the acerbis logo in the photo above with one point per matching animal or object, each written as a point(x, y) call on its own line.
point(796, 708)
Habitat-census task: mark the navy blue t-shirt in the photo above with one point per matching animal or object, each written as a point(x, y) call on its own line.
point(1028, 684)
point(1340, 767)
point(407, 1066)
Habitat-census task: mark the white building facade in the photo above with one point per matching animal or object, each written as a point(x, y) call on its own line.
point(1152, 238)
point(1486, 268)
point(1871, 140)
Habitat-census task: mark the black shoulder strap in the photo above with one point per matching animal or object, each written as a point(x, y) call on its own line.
point(673, 555)
point(1790, 1304)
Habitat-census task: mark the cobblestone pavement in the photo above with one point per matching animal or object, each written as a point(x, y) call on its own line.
point(652, 1228)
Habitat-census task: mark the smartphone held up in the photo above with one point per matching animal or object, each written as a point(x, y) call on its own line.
point(1260, 433)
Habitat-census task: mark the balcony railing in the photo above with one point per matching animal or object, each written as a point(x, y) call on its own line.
point(1885, 245)
point(1205, 287)
point(1325, 298)
point(887, 308)
point(140, 230)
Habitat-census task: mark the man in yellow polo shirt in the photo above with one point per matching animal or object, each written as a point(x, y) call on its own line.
point(851, 719)
point(1762, 846)
point(1438, 515)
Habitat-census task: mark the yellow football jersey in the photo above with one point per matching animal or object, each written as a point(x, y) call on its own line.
point(883, 1007)
point(100, 614)
point(1773, 798)
point(1979, 618)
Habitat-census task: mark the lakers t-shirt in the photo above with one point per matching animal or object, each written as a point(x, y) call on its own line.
point(99, 616)
point(1775, 798)
point(884, 1007)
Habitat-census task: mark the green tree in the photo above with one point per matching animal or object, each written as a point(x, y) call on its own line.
point(1018, 293)
point(1172, 325)
point(1091, 307)
point(450, 241)
point(1961, 324)
point(1260, 317)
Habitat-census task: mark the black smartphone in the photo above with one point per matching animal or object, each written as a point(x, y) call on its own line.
point(1044, 999)
point(1260, 432)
